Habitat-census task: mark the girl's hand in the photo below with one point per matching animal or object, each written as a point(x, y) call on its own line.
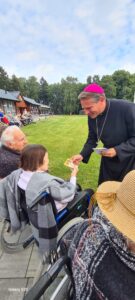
point(74, 171)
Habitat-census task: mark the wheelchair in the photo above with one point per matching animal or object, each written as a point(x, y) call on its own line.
point(13, 243)
point(71, 215)
point(65, 289)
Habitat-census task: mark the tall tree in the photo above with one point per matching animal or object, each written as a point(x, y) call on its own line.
point(69, 79)
point(33, 87)
point(122, 80)
point(89, 79)
point(96, 79)
point(69, 87)
point(43, 91)
point(23, 85)
point(131, 95)
point(14, 84)
point(109, 86)
point(70, 100)
point(55, 95)
point(4, 80)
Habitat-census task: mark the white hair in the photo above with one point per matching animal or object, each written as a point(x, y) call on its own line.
point(8, 134)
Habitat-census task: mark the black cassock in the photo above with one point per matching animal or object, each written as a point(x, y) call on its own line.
point(119, 133)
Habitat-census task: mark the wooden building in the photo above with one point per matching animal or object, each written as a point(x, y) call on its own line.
point(13, 102)
point(20, 105)
point(8, 102)
point(44, 109)
point(32, 105)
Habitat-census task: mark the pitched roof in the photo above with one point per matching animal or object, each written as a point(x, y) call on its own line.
point(31, 101)
point(7, 95)
point(15, 93)
point(44, 106)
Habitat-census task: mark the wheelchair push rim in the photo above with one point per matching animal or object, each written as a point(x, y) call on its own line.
point(13, 243)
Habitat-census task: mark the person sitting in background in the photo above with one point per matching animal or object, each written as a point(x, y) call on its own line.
point(5, 120)
point(102, 249)
point(26, 118)
point(12, 120)
point(34, 177)
point(1, 114)
point(13, 141)
point(17, 119)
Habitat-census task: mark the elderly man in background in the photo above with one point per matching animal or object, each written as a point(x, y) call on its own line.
point(13, 141)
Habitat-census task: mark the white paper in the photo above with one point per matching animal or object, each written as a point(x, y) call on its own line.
point(99, 150)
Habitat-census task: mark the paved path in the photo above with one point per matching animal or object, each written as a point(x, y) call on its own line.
point(17, 272)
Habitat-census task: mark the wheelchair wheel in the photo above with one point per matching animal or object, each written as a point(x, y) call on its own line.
point(13, 243)
point(64, 290)
point(42, 266)
point(67, 227)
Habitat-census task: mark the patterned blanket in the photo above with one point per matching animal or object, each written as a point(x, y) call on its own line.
point(103, 268)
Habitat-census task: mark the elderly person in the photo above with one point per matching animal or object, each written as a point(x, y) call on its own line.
point(102, 250)
point(113, 123)
point(13, 141)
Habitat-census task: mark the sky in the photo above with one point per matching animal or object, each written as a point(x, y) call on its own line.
point(60, 38)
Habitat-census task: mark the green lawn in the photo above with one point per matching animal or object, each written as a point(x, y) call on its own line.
point(64, 136)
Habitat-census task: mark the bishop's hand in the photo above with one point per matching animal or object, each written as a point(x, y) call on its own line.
point(111, 152)
point(76, 159)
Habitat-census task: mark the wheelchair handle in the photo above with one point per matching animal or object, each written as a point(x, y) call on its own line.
point(46, 279)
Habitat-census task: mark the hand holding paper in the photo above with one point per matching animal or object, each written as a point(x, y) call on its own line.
point(68, 163)
point(99, 150)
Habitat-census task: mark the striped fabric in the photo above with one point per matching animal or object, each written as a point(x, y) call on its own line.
point(44, 227)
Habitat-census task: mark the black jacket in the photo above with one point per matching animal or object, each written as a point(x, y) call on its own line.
point(118, 133)
point(9, 161)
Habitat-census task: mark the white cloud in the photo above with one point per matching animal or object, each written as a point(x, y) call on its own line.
point(130, 67)
point(27, 55)
point(59, 39)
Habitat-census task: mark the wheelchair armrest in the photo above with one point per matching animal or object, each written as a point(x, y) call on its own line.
point(60, 215)
point(77, 198)
point(46, 279)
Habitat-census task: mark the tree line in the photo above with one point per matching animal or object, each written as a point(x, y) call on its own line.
point(63, 96)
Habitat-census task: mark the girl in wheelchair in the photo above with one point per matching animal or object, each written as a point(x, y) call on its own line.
point(34, 177)
point(30, 195)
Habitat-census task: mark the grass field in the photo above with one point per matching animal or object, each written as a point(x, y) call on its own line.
point(64, 136)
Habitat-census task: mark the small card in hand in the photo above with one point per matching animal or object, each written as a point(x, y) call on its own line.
point(99, 150)
point(69, 163)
